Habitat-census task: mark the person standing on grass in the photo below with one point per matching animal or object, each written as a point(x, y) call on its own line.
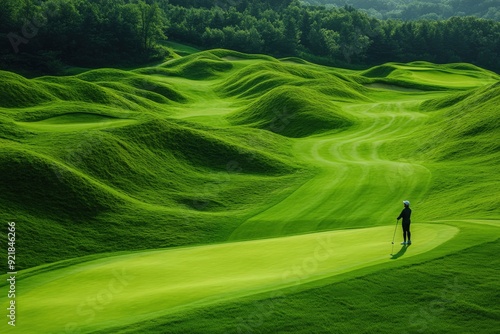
point(406, 214)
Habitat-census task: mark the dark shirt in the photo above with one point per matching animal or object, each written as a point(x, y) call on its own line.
point(405, 214)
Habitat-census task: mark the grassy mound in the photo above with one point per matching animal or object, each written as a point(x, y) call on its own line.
point(444, 102)
point(468, 127)
point(51, 188)
point(111, 88)
point(292, 112)
point(204, 65)
point(257, 79)
point(200, 148)
point(77, 118)
point(427, 76)
point(17, 91)
point(62, 108)
point(130, 181)
point(381, 71)
point(199, 66)
point(155, 87)
point(133, 84)
point(10, 131)
point(257, 83)
point(248, 78)
point(105, 74)
point(294, 60)
point(235, 55)
point(74, 89)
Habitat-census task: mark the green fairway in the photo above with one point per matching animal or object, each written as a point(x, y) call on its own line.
point(152, 198)
point(99, 294)
point(352, 186)
point(75, 122)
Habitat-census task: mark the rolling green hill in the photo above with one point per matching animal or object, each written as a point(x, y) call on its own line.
point(226, 192)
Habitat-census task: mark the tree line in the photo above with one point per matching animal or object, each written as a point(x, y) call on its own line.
point(419, 9)
point(341, 35)
point(104, 32)
point(44, 35)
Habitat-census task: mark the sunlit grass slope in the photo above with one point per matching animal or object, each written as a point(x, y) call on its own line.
point(451, 293)
point(163, 282)
point(245, 161)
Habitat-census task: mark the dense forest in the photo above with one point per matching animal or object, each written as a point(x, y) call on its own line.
point(419, 9)
point(46, 34)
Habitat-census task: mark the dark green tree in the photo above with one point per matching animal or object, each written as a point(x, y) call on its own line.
point(152, 24)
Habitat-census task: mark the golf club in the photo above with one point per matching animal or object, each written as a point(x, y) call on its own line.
point(394, 236)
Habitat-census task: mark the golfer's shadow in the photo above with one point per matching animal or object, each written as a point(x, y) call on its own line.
point(401, 252)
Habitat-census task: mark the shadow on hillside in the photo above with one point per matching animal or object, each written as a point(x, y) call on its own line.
point(401, 252)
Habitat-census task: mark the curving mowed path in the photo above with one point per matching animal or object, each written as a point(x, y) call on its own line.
point(125, 289)
point(355, 185)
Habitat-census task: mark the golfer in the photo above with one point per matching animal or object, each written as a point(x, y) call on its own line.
point(406, 214)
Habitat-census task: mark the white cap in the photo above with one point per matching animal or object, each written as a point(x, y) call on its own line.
point(406, 203)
